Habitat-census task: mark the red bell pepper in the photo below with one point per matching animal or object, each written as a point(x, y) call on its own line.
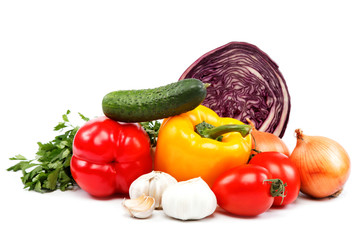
point(108, 156)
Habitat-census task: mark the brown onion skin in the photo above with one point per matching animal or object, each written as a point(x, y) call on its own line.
point(323, 164)
point(267, 142)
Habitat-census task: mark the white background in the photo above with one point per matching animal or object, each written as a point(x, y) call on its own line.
point(59, 55)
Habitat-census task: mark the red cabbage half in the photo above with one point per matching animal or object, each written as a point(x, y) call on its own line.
point(244, 83)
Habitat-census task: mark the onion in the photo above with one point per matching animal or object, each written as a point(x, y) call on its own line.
point(267, 142)
point(323, 164)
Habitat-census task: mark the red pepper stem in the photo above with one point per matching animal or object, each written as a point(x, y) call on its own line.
point(215, 132)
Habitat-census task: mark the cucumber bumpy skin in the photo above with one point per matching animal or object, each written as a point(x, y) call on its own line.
point(157, 103)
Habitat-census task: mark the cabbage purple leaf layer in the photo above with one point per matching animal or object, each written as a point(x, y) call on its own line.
point(244, 83)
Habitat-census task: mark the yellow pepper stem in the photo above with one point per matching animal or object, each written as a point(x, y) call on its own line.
point(208, 131)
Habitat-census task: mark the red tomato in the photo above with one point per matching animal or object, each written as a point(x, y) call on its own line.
point(242, 190)
point(280, 167)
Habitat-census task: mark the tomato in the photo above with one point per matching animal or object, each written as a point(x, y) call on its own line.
point(280, 167)
point(243, 190)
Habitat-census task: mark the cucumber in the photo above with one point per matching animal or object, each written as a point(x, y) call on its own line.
point(152, 104)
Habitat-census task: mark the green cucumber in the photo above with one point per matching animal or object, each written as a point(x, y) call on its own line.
point(152, 104)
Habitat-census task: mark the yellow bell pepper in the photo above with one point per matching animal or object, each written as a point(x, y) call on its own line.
point(184, 154)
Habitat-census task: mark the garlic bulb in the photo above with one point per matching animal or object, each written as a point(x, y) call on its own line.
point(151, 184)
point(141, 207)
point(189, 200)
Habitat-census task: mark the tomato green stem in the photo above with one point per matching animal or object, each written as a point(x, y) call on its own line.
point(277, 188)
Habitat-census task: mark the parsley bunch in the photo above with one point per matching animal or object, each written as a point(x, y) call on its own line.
point(50, 170)
point(152, 129)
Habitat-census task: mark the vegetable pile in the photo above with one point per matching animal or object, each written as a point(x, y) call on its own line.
point(218, 144)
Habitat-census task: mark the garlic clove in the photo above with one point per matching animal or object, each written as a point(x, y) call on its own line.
point(151, 184)
point(141, 207)
point(189, 200)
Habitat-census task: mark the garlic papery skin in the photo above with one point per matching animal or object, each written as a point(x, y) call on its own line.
point(189, 200)
point(151, 184)
point(141, 207)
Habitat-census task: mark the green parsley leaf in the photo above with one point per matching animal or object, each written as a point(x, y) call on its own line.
point(61, 125)
point(23, 165)
point(152, 129)
point(65, 118)
point(51, 181)
point(50, 169)
point(37, 187)
point(83, 117)
point(18, 157)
